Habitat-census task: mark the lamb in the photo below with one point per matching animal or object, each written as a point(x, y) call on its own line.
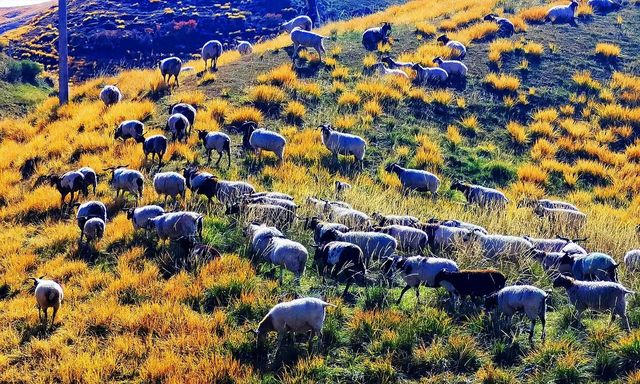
point(89, 210)
point(126, 180)
point(418, 270)
point(211, 50)
point(178, 125)
point(503, 246)
point(93, 229)
point(341, 187)
point(341, 257)
point(506, 27)
point(632, 260)
point(415, 179)
point(430, 75)
point(287, 254)
point(204, 183)
point(260, 236)
point(562, 13)
point(48, 294)
point(482, 196)
point(382, 220)
point(352, 218)
point(594, 266)
point(412, 240)
point(567, 218)
point(129, 129)
point(320, 227)
point(303, 22)
point(384, 71)
point(263, 213)
point(140, 216)
point(175, 225)
point(599, 296)
point(453, 67)
point(464, 225)
point(396, 64)
point(604, 5)
point(297, 316)
point(155, 145)
point(186, 110)
point(244, 47)
point(474, 283)
point(218, 141)
point(258, 139)
point(521, 298)
point(373, 245)
point(343, 143)
point(71, 182)
point(306, 39)
point(455, 46)
point(90, 179)
point(110, 95)
point(443, 238)
point(171, 66)
point(559, 244)
point(372, 37)
point(170, 184)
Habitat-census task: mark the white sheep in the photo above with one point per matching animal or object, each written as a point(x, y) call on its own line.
point(559, 244)
point(262, 139)
point(306, 39)
point(320, 227)
point(410, 239)
point(384, 71)
point(565, 13)
point(90, 179)
point(110, 95)
point(284, 203)
point(521, 298)
point(505, 26)
point(557, 204)
point(406, 220)
point(48, 294)
point(263, 213)
point(464, 225)
point(93, 229)
point(373, 245)
point(155, 145)
point(394, 64)
point(260, 235)
point(287, 254)
point(604, 5)
point(322, 205)
point(170, 184)
point(456, 46)
point(632, 260)
point(175, 225)
point(566, 218)
point(218, 141)
point(129, 129)
point(211, 50)
point(484, 197)
point(89, 210)
point(244, 47)
point(350, 217)
point(140, 216)
point(178, 125)
point(302, 21)
point(430, 75)
point(343, 143)
point(274, 195)
point(71, 182)
point(443, 238)
point(341, 187)
point(415, 179)
point(171, 66)
point(418, 270)
point(126, 180)
point(187, 110)
point(503, 246)
point(453, 67)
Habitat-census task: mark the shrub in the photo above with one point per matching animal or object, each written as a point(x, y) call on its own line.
point(267, 97)
point(25, 71)
point(502, 82)
point(242, 114)
point(294, 112)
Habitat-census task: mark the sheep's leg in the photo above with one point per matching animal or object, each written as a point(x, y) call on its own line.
point(219, 158)
point(45, 318)
point(177, 81)
point(417, 288)
point(531, 330)
point(405, 289)
point(53, 317)
point(281, 274)
point(280, 338)
point(311, 336)
point(350, 281)
point(39, 314)
point(544, 327)
point(319, 54)
point(625, 321)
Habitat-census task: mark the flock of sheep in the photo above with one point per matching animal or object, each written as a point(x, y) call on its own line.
point(348, 242)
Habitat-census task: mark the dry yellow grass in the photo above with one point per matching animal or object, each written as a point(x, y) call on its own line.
point(502, 82)
point(608, 50)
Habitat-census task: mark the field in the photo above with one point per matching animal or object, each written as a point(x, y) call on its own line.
point(552, 111)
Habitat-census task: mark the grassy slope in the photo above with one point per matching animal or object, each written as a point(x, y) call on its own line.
point(18, 99)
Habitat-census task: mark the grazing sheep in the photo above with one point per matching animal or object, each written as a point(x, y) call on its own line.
point(598, 295)
point(93, 229)
point(456, 46)
point(129, 129)
point(341, 187)
point(382, 220)
point(604, 5)
point(411, 240)
point(443, 238)
point(110, 95)
point(482, 196)
point(464, 225)
point(90, 179)
point(559, 244)
point(341, 257)
point(521, 298)
point(396, 64)
point(415, 179)
point(320, 227)
point(263, 213)
point(306, 39)
point(287, 254)
point(175, 225)
point(506, 27)
point(453, 67)
point(418, 270)
point(556, 204)
point(218, 141)
point(140, 216)
point(171, 66)
point(474, 283)
point(632, 260)
point(384, 71)
point(288, 204)
point(48, 294)
point(297, 316)
point(352, 218)
point(550, 261)
point(178, 125)
point(204, 183)
point(259, 139)
point(154, 145)
point(211, 50)
point(244, 47)
point(374, 36)
point(502, 246)
point(430, 75)
point(594, 266)
point(186, 110)
point(89, 210)
point(373, 245)
point(170, 184)
point(322, 205)
point(567, 218)
point(562, 13)
point(71, 182)
point(303, 22)
point(260, 236)
point(343, 143)
point(274, 195)
point(126, 180)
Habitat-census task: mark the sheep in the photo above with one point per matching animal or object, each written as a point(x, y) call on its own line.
point(140, 216)
point(244, 48)
point(258, 139)
point(559, 244)
point(126, 180)
point(306, 39)
point(373, 245)
point(415, 179)
point(604, 5)
point(171, 66)
point(474, 283)
point(384, 71)
point(340, 143)
point(456, 46)
point(482, 196)
point(521, 298)
point(287, 254)
point(90, 179)
point(443, 238)
point(260, 236)
point(430, 75)
point(503, 246)
point(274, 195)
point(418, 270)
point(71, 182)
point(396, 64)
point(303, 22)
point(170, 184)
point(322, 205)
point(341, 257)
point(350, 217)
point(93, 229)
point(320, 227)
point(382, 220)
point(110, 95)
point(297, 316)
point(263, 213)
point(464, 225)
point(564, 13)
point(186, 110)
point(374, 36)
point(594, 266)
point(632, 260)
point(129, 129)
point(48, 294)
point(89, 210)
point(550, 261)
point(287, 204)
point(556, 204)
point(175, 225)
point(506, 27)
point(453, 67)
point(219, 141)
point(211, 50)
point(599, 296)
point(572, 220)
point(204, 183)
point(409, 239)
point(178, 125)
point(154, 145)
point(341, 187)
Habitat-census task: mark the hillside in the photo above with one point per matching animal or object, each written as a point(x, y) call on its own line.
point(550, 112)
point(17, 97)
point(11, 18)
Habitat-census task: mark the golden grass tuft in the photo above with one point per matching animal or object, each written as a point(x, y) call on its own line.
point(534, 14)
point(543, 149)
point(453, 135)
point(532, 174)
point(369, 61)
point(266, 96)
point(517, 132)
point(373, 108)
point(340, 73)
point(533, 49)
point(294, 112)
point(349, 100)
point(426, 29)
point(281, 76)
point(218, 109)
point(608, 50)
point(470, 123)
point(242, 114)
point(502, 82)
point(428, 154)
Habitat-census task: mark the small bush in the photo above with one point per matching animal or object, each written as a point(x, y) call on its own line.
point(608, 50)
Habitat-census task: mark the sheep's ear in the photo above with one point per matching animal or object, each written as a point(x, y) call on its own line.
point(41, 277)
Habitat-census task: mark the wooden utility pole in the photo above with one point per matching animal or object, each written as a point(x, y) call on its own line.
point(63, 53)
point(312, 12)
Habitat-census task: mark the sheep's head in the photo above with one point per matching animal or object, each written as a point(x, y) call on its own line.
point(391, 167)
point(233, 209)
point(36, 280)
point(328, 236)
point(437, 60)
point(527, 203)
point(202, 134)
point(459, 186)
point(490, 16)
point(567, 259)
point(574, 4)
point(54, 179)
point(385, 29)
point(563, 281)
point(491, 301)
point(265, 326)
point(129, 212)
point(444, 39)
point(326, 129)
point(441, 276)
point(538, 255)
point(117, 133)
point(416, 67)
point(311, 223)
point(539, 209)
